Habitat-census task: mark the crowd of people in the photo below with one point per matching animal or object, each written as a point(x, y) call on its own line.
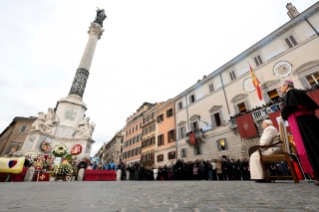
point(200, 170)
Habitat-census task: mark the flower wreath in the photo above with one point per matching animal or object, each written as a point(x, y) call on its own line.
point(46, 146)
point(59, 150)
point(63, 168)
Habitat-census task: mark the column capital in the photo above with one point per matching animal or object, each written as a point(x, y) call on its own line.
point(96, 30)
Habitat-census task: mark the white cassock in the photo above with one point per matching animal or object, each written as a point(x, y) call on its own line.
point(269, 136)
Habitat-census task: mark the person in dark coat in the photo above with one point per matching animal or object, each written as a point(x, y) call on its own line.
point(83, 164)
point(26, 162)
point(136, 168)
point(189, 170)
point(172, 171)
point(141, 172)
point(122, 166)
point(183, 177)
point(232, 168)
point(160, 173)
point(178, 169)
point(299, 109)
point(239, 174)
point(225, 170)
point(202, 171)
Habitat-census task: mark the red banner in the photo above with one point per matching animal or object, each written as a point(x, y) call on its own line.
point(192, 138)
point(273, 117)
point(246, 126)
point(314, 95)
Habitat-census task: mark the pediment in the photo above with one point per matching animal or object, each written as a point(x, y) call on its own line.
point(215, 108)
point(270, 84)
point(309, 66)
point(194, 117)
point(181, 123)
point(238, 97)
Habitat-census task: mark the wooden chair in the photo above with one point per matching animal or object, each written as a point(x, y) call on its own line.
point(277, 157)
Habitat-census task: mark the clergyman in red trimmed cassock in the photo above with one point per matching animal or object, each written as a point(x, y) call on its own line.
point(299, 109)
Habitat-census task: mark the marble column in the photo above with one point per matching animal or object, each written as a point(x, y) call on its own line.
point(82, 73)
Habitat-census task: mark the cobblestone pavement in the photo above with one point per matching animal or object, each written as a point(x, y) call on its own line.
point(170, 196)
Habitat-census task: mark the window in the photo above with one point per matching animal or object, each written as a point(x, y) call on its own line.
point(142, 158)
point(160, 118)
point(136, 151)
point(136, 128)
point(122, 140)
point(216, 120)
point(180, 105)
point(182, 132)
point(313, 78)
point(258, 60)
point(171, 155)
point(140, 125)
point(152, 156)
point(148, 118)
point(273, 94)
point(197, 149)
point(171, 136)
point(23, 128)
point(183, 153)
point(160, 158)
point(169, 113)
point(153, 115)
point(232, 75)
point(144, 120)
point(133, 140)
point(153, 127)
point(291, 41)
point(140, 137)
point(130, 142)
point(129, 132)
point(129, 153)
point(242, 107)
point(126, 133)
point(160, 140)
point(132, 129)
point(143, 143)
point(13, 148)
point(192, 99)
point(211, 87)
point(139, 150)
point(194, 125)
point(222, 144)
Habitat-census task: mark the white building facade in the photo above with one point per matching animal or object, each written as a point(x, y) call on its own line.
point(288, 53)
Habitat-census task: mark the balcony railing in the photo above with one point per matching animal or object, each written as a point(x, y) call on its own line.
point(259, 114)
point(199, 135)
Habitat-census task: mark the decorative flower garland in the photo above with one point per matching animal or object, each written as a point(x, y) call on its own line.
point(46, 146)
point(59, 150)
point(63, 169)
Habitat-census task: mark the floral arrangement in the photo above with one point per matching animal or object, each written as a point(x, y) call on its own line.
point(33, 156)
point(46, 146)
point(62, 169)
point(59, 150)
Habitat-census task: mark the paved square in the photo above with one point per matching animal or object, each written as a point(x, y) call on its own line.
point(169, 196)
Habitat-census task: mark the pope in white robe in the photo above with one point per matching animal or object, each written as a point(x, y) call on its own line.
point(269, 136)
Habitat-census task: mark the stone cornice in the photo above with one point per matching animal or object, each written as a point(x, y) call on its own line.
point(66, 100)
point(39, 132)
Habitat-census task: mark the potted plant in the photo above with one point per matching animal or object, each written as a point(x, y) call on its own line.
point(62, 169)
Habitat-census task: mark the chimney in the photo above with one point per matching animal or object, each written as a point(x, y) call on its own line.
point(292, 11)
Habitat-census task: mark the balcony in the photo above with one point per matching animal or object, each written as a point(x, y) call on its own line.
point(199, 135)
point(259, 114)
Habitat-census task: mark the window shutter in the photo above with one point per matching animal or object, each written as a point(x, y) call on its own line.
point(256, 61)
point(259, 59)
point(246, 104)
point(288, 43)
point(266, 97)
point(221, 118)
point(174, 136)
point(304, 82)
point(236, 109)
point(218, 145)
point(213, 121)
point(293, 40)
point(234, 76)
point(231, 76)
point(226, 145)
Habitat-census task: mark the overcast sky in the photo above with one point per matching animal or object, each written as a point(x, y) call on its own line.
point(150, 51)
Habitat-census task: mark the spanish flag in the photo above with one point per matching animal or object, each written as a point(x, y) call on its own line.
point(256, 83)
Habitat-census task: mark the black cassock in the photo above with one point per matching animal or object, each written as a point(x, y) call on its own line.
point(308, 124)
